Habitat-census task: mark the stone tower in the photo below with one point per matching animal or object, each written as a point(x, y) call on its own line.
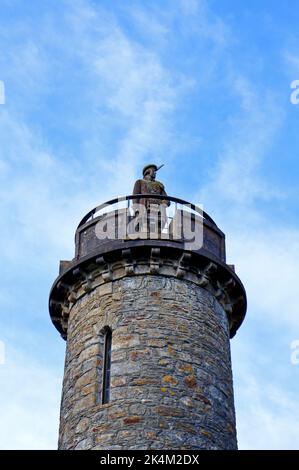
point(148, 313)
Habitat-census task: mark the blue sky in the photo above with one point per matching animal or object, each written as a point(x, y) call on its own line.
point(93, 91)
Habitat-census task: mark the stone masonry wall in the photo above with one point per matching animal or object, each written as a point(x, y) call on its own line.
point(171, 382)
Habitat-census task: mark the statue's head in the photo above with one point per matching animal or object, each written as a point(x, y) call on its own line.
point(149, 172)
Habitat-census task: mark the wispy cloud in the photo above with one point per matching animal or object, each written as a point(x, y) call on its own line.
point(205, 23)
point(235, 176)
point(136, 92)
point(292, 60)
point(267, 263)
point(267, 415)
point(29, 403)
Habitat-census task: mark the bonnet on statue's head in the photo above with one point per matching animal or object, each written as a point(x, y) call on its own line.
point(151, 165)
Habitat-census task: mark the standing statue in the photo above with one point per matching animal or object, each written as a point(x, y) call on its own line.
point(151, 212)
point(149, 185)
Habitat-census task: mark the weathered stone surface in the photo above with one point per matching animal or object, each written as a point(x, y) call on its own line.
point(171, 382)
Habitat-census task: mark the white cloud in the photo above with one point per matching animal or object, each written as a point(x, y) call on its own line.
point(133, 90)
point(264, 251)
point(37, 213)
point(140, 91)
point(292, 61)
point(150, 24)
point(266, 406)
point(235, 178)
point(203, 22)
point(43, 196)
point(267, 261)
point(29, 403)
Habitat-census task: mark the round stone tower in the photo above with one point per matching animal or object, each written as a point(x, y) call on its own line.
point(148, 312)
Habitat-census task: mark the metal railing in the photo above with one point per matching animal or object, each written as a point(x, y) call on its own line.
point(129, 202)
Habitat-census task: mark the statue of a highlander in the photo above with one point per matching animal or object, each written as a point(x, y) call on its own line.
point(149, 186)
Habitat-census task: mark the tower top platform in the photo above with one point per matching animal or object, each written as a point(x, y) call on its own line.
point(128, 235)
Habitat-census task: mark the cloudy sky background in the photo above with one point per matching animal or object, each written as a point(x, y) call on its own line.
point(93, 91)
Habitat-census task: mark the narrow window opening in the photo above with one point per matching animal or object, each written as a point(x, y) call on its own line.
point(107, 366)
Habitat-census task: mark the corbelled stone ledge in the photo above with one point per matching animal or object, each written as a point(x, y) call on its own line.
point(100, 269)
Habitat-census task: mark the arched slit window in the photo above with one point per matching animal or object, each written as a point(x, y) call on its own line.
point(106, 366)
